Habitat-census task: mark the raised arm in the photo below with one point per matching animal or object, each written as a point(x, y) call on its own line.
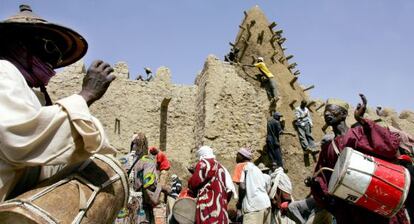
point(32, 135)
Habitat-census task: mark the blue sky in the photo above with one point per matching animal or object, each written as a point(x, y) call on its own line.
point(343, 47)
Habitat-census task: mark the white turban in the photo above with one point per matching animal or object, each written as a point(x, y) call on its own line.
point(205, 152)
point(280, 180)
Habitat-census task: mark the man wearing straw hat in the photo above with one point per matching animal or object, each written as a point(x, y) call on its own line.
point(368, 138)
point(36, 135)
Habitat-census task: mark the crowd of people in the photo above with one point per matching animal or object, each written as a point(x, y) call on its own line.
point(38, 139)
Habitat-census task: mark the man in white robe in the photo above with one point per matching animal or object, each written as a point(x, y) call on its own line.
point(36, 140)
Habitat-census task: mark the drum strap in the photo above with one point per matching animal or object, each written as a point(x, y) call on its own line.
point(335, 147)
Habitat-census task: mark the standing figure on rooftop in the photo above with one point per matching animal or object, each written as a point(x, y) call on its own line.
point(304, 125)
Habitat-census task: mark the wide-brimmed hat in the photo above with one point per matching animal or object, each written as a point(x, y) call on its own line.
point(31, 27)
point(262, 167)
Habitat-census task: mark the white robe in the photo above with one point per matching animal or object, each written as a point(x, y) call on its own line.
point(33, 135)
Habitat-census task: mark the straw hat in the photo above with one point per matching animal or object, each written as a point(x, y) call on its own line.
point(262, 167)
point(31, 27)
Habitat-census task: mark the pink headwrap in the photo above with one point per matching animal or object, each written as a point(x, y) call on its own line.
point(246, 152)
point(38, 75)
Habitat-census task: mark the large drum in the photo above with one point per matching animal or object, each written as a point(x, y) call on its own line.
point(184, 210)
point(369, 182)
point(93, 192)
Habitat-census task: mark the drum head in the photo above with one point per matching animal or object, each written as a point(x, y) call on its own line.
point(184, 210)
point(339, 169)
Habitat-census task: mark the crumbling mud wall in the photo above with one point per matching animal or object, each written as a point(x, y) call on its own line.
point(162, 110)
point(234, 111)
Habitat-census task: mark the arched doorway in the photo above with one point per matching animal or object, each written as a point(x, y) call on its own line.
point(163, 123)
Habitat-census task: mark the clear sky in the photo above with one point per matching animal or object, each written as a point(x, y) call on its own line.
point(343, 47)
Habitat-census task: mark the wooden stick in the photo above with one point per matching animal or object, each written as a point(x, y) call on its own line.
point(309, 88)
point(293, 80)
point(260, 37)
point(293, 65)
point(279, 32)
point(292, 104)
point(311, 103)
point(272, 25)
point(281, 41)
point(288, 133)
point(320, 106)
point(296, 73)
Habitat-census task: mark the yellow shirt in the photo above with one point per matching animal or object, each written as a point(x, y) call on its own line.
point(33, 135)
point(263, 68)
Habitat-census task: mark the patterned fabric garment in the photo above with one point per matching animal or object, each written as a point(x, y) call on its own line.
point(176, 187)
point(208, 181)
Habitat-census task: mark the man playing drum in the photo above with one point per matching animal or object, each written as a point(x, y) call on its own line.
point(368, 138)
point(36, 136)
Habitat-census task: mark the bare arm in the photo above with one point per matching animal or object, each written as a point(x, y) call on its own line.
point(361, 108)
point(154, 197)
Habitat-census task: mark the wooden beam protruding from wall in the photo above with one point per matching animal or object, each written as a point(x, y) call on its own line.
point(260, 37)
point(273, 57)
point(320, 106)
point(311, 103)
point(279, 32)
point(281, 41)
point(272, 25)
point(292, 104)
point(292, 66)
point(292, 82)
point(309, 88)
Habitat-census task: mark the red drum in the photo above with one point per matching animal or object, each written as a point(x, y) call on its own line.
point(369, 182)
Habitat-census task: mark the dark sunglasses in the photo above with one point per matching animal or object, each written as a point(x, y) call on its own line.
point(48, 51)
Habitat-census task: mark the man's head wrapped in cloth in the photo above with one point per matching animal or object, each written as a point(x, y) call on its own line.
point(205, 152)
point(280, 181)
